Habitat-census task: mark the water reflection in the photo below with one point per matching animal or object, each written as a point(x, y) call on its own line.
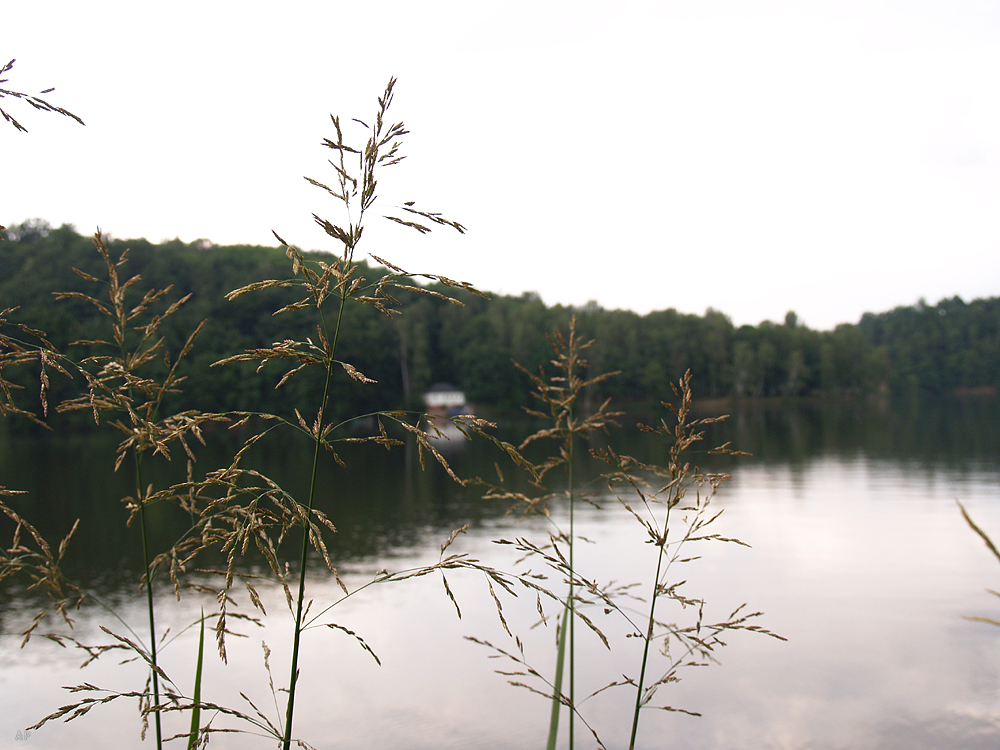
point(859, 557)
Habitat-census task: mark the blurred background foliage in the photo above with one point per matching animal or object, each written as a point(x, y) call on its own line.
point(949, 348)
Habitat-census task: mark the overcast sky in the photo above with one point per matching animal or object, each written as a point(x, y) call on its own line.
point(754, 156)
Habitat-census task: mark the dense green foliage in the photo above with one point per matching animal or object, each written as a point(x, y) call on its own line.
point(950, 346)
point(938, 349)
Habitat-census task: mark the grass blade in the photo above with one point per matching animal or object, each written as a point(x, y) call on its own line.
point(982, 534)
point(557, 685)
point(196, 709)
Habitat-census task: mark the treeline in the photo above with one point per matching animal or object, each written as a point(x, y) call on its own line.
point(934, 348)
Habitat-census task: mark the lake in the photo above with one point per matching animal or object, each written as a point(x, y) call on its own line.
point(859, 557)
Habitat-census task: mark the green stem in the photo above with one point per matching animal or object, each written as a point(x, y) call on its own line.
point(649, 627)
point(196, 709)
point(149, 594)
point(317, 446)
point(557, 684)
point(571, 608)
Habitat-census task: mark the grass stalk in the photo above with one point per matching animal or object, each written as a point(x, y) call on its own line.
point(150, 610)
point(196, 708)
point(557, 683)
point(560, 393)
point(304, 554)
point(126, 382)
point(648, 637)
point(120, 327)
point(572, 570)
point(324, 282)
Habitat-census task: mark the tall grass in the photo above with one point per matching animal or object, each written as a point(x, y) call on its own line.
point(239, 515)
point(672, 504)
point(126, 379)
point(327, 289)
point(559, 396)
point(121, 388)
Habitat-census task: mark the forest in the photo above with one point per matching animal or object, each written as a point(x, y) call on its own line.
point(952, 347)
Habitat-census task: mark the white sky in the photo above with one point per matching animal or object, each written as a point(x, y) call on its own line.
point(754, 156)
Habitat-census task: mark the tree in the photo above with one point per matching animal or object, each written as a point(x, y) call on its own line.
point(28, 231)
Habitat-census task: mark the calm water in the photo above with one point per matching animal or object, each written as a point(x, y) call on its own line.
point(859, 557)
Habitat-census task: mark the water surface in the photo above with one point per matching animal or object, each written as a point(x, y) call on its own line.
point(859, 558)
